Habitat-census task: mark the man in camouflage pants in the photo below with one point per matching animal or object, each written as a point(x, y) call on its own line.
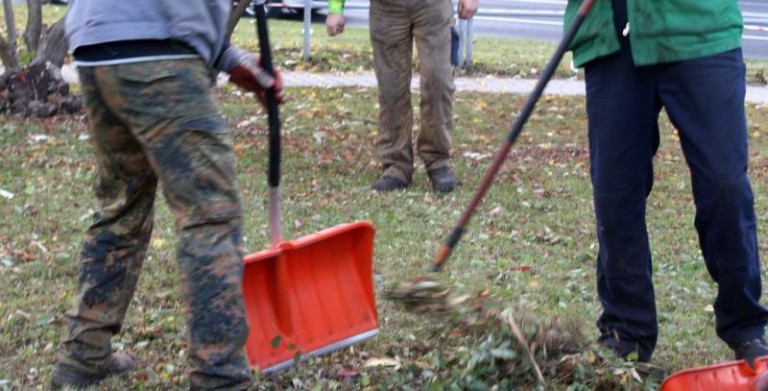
point(153, 121)
point(394, 26)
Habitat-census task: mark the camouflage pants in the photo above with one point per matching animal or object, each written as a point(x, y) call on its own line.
point(150, 122)
point(395, 25)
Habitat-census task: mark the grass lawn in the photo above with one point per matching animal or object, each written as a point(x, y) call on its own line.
point(531, 245)
point(538, 214)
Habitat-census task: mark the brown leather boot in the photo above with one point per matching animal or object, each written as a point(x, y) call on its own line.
point(74, 377)
point(442, 180)
point(389, 183)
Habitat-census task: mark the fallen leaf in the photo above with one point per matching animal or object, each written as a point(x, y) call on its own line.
point(382, 362)
point(276, 341)
point(426, 285)
point(22, 255)
point(346, 374)
point(23, 314)
point(36, 138)
point(495, 210)
point(158, 243)
point(523, 268)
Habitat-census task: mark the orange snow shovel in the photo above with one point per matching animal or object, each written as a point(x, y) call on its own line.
point(308, 296)
point(728, 376)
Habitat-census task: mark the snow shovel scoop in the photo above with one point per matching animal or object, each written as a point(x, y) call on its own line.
point(308, 296)
point(728, 376)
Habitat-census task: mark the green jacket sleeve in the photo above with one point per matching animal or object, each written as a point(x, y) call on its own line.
point(335, 6)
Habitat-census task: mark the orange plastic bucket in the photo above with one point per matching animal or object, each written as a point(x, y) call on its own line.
point(729, 376)
point(310, 296)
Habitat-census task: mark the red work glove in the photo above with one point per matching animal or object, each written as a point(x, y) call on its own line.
point(250, 76)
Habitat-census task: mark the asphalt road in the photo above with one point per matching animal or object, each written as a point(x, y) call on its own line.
point(542, 20)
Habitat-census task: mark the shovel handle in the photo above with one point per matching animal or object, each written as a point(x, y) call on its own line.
point(501, 155)
point(273, 177)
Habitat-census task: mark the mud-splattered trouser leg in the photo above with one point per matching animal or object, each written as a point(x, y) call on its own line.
point(157, 121)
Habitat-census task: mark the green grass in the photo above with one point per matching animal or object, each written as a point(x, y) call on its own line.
point(351, 51)
point(537, 214)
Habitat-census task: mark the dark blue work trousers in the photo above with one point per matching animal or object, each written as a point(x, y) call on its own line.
point(704, 99)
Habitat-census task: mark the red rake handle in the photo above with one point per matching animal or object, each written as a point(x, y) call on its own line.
point(273, 178)
point(517, 127)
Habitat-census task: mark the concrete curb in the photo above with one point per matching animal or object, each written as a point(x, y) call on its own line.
point(489, 84)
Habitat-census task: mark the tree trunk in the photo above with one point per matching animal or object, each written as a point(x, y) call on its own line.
point(53, 45)
point(235, 16)
point(7, 55)
point(8, 47)
point(34, 25)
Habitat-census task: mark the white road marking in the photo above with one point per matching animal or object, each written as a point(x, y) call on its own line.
point(555, 2)
point(754, 38)
point(519, 20)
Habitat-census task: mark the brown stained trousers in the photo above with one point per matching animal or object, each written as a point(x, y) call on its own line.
point(157, 123)
point(394, 26)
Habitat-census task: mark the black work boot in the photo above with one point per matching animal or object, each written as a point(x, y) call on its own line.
point(442, 179)
point(388, 183)
point(750, 350)
point(73, 377)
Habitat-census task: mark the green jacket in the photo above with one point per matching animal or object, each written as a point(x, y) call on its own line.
point(335, 6)
point(659, 30)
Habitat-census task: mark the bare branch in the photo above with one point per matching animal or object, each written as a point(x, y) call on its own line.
point(8, 48)
point(524, 343)
point(34, 25)
point(235, 16)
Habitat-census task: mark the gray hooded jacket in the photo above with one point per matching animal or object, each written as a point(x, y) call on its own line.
point(201, 24)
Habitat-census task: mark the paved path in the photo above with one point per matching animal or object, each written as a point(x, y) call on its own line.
point(755, 94)
point(479, 84)
point(492, 84)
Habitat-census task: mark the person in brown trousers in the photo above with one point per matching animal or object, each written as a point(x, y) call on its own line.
point(394, 26)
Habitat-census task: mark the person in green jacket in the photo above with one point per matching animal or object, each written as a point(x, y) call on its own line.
point(394, 26)
point(683, 56)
